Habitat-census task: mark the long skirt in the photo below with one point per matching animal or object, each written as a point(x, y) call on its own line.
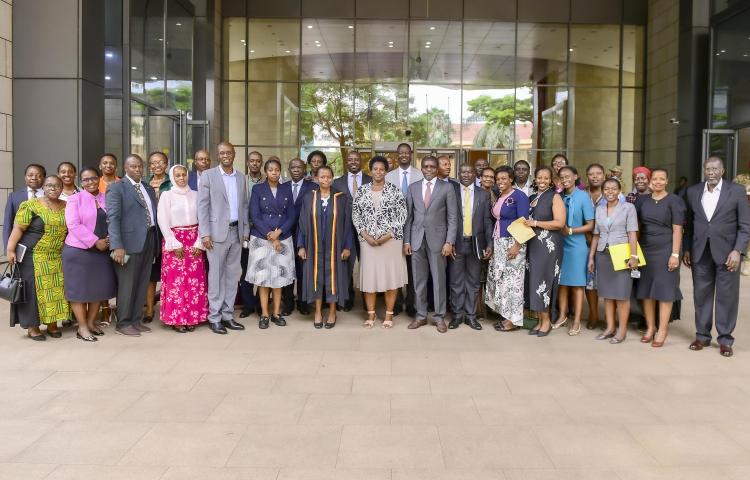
point(504, 291)
point(268, 268)
point(184, 297)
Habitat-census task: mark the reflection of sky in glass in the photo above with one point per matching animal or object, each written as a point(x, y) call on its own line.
point(434, 96)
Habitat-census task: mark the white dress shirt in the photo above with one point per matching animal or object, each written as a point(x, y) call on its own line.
point(29, 194)
point(709, 200)
point(351, 177)
point(230, 184)
point(298, 187)
point(471, 196)
point(432, 187)
point(525, 188)
point(145, 197)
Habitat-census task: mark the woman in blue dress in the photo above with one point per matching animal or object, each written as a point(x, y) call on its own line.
point(573, 274)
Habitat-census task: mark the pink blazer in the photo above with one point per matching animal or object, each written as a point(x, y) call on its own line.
point(80, 216)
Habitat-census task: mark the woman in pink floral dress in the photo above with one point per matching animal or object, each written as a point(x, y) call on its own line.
point(184, 300)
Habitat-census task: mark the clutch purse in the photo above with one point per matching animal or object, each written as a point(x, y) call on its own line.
point(620, 255)
point(12, 286)
point(520, 232)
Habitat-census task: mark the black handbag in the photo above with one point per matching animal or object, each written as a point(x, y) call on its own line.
point(12, 286)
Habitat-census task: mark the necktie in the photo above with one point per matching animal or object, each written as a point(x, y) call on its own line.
point(428, 195)
point(33, 193)
point(143, 201)
point(354, 186)
point(405, 183)
point(295, 190)
point(467, 212)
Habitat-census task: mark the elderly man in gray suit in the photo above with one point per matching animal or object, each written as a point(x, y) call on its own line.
point(131, 222)
point(718, 229)
point(429, 234)
point(223, 225)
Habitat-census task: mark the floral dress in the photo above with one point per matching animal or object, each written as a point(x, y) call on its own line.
point(543, 254)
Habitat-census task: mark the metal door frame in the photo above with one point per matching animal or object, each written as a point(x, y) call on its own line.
point(731, 169)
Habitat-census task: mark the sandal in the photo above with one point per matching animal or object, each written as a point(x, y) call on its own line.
point(557, 325)
point(86, 338)
point(190, 328)
point(647, 338)
point(388, 322)
point(574, 331)
point(500, 327)
point(37, 338)
point(179, 328)
point(370, 322)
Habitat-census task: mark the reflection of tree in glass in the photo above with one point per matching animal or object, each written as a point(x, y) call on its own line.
point(432, 129)
point(500, 115)
point(327, 114)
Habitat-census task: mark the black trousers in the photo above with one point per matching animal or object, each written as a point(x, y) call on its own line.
point(132, 282)
point(245, 288)
point(715, 287)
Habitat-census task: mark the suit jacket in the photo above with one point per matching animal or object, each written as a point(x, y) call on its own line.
point(193, 180)
point(269, 212)
point(481, 220)
point(341, 184)
point(394, 176)
point(436, 224)
point(213, 206)
point(127, 218)
point(15, 199)
point(729, 227)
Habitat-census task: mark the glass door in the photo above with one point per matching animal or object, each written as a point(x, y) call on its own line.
point(453, 154)
point(721, 142)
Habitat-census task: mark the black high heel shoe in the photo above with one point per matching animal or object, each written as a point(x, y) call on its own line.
point(89, 338)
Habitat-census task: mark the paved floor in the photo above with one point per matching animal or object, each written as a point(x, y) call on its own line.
point(298, 403)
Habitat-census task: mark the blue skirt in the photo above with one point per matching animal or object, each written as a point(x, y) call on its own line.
point(575, 261)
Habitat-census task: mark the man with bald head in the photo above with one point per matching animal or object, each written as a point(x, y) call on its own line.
point(201, 163)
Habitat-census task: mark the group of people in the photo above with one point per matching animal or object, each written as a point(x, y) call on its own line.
point(528, 247)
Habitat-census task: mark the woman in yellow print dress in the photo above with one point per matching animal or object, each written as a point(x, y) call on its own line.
point(40, 227)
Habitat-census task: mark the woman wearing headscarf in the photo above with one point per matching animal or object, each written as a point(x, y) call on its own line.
point(641, 181)
point(88, 270)
point(324, 243)
point(184, 297)
point(160, 182)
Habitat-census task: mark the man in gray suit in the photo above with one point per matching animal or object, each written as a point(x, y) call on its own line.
point(473, 244)
point(349, 183)
point(223, 225)
point(718, 229)
point(402, 177)
point(131, 221)
point(429, 233)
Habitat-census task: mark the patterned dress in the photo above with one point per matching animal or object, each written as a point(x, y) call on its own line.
point(544, 254)
point(47, 257)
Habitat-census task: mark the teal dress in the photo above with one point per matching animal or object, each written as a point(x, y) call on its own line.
point(579, 210)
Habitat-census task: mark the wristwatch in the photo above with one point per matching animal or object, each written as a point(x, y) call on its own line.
point(676, 255)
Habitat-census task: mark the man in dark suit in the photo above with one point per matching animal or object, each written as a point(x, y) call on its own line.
point(718, 229)
point(202, 162)
point(349, 183)
point(300, 186)
point(131, 220)
point(33, 177)
point(473, 243)
point(429, 233)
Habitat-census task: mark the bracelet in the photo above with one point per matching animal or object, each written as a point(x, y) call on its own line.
point(676, 255)
point(570, 231)
point(634, 256)
point(536, 223)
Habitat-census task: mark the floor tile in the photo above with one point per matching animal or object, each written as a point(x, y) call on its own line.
point(681, 445)
point(335, 474)
point(17, 435)
point(434, 410)
point(433, 474)
point(346, 410)
point(25, 471)
point(173, 407)
point(426, 363)
point(469, 384)
point(313, 384)
point(159, 382)
point(390, 446)
point(284, 362)
point(277, 446)
point(355, 363)
point(98, 472)
point(234, 383)
point(216, 473)
point(492, 447)
point(396, 384)
point(259, 409)
point(81, 381)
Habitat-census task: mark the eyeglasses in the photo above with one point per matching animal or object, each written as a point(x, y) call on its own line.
point(53, 186)
point(89, 179)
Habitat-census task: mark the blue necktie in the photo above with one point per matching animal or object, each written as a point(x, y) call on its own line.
point(405, 183)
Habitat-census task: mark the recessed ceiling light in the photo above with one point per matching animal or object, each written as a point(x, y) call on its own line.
point(428, 43)
point(109, 54)
point(426, 46)
point(570, 49)
point(178, 24)
point(107, 77)
point(160, 39)
point(134, 68)
point(433, 28)
point(309, 26)
point(252, 51)
point(287, 51)
point(317, 44)
point(350, 26)
point(723, 51)
point(154, 78)
point(390, 46)
point(745, 55)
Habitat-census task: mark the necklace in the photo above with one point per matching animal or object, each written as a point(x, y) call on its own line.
point(656, 200)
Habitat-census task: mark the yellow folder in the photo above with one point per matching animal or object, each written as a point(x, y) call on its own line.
point(520, 231)
point(620, 255)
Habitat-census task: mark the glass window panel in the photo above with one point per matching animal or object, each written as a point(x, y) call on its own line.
point(327, 114)
point(631, 124)
point(381, 113)
point(179, 67)
point(549, 118)
point(633, 55)
point(137, 129)
point(273, 50)
point(381, 51)
point(592, 119)
point(327, 50)
point(234, 112)
point(595, 55)
point(147, 51)
point(489, 53)
point(582, 159)
point(285, 154)
point(630, 160)
point(240, 153)
point(541, 53)
point(435, 52)
point(489, 117)
point(435, 115)
point(113, 126)
point(537, 158)
point(235, 38)
point(731, 61)
point(272, 109)
point(334, 157)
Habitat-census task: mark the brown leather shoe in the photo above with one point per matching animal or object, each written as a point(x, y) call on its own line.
point(698, 345)
point(725, 350)
point(416, 324)
point(129, 331)
point(441, 326)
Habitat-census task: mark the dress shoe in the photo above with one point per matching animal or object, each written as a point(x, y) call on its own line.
point(129, 331)
point(278, 320)
point(263, 323)
point(698, 345)
point(232, 325)
point(141, 328)
point(246, 312)
point(54, 333)
point(148, 318)
point(603, 336)
point(87, 338)
point(473, 323)
point(441, 326)
point(725, 350)
point(542, 333)
point(217, 328)
point(37, 338)
point(416, 324)
point(454, 323)
point(286, 313)
point(329, 326)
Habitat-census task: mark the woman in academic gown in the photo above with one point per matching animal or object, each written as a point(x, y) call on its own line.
point(324, 244)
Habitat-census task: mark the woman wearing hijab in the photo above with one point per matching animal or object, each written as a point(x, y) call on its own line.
point(184, 298)
point(324, 244)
